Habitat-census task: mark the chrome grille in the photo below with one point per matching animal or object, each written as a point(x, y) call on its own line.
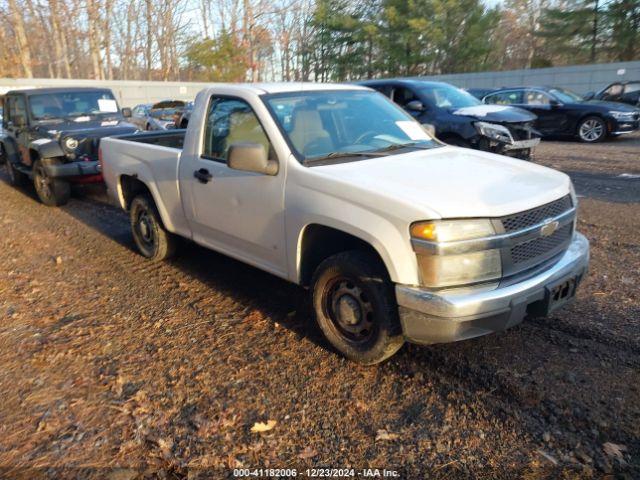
point(528, 218)
point(541, 246)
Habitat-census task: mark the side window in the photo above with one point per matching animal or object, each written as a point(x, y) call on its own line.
point(535, 97)
point(632, 88)
point(7, 109)
point(17, 107)
point(231, 121)
point(505, 98)
point(402, 96)
point(383, 89)
point(613, 92)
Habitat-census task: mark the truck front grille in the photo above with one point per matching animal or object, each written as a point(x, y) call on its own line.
point(541, 246)
point(528, 218)
point(535, 248)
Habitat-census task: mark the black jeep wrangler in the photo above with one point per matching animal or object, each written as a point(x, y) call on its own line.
point(52, 135)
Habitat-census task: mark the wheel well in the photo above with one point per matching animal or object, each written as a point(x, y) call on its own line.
point(587, 115)
point(131, 187)
point(319, 242)
point(34, 156)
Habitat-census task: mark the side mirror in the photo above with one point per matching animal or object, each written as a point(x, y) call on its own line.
point(251, 157)
point(589, 95)
point(555, 103)
point(415, 106)
point(126, 112)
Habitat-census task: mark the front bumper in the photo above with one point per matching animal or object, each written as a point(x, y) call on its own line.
point(440, 317)
point(73, 169)
point(618, 127)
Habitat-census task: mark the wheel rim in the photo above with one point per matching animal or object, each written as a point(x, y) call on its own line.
point(145, 230)
point(591, 130)
point(348, 307)
point(43, 183)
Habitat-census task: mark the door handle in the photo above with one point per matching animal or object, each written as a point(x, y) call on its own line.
point(203, 175)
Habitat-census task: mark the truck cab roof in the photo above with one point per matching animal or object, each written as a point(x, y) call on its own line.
point(45, 91)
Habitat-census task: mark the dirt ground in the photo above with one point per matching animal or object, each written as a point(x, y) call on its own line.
point(113, 367)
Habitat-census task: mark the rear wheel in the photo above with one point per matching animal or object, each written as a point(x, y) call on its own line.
point(151, 237)
point(592, 130)
point(355, 307)
point(51, 191)
point(16, 178)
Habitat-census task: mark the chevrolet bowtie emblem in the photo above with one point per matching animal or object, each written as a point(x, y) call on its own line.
point(549, 228)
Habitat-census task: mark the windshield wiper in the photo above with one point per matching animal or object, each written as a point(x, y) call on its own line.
point(337, 155)
point(400, 146)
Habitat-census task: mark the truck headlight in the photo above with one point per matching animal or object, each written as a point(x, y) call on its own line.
point(466, 268)
point(500, 133)
point(459, 269)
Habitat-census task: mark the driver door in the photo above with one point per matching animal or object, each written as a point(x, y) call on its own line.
point(236, 212)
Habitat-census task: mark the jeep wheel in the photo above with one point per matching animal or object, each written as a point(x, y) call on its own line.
point(355, 307)
point(16, 178)
point(51, 191)
point(152, 239)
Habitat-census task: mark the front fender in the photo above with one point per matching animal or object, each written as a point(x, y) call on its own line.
point(46, 148)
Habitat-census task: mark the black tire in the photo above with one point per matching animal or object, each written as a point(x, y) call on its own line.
point(592, 129)
point(16, 178)
point(52, 192)
point(457, 142)
point(151, 237)
point(355, 307)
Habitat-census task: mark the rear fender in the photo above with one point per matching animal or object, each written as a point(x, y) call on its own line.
point(10, 148)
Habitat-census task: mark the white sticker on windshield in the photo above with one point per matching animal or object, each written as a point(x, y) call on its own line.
point(413, 130)
point(107, 105)
point(82, 119)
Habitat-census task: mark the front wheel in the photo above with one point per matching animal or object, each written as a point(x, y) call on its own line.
point(151, 237)
point(592, 130)
point(355, 307)
point(51, 191)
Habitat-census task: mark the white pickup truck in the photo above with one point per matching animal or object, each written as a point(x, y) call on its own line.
point(333, 187)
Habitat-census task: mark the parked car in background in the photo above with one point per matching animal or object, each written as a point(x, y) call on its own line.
point(561, 112)
point(480, 93)
point(623, 92)
point(181, 117)
point(397, 236)
point(458, 118)
point(139, 115)
point(51, 136)
point(157, 116)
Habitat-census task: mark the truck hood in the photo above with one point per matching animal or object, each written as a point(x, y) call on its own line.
point(451, 182)
point(91, 128)
point(495, 113)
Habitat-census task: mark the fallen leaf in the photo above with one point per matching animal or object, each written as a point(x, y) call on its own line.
point(307, 453)
point(614, 450)
point(548, 457)
point(260, 427)
point(384, 435)
point(166, 445)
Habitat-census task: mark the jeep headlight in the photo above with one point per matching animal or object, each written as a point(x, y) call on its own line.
point(449, 270)
point(70, 143)
point(496, 132)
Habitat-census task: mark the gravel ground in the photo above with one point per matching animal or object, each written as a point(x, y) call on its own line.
point(113, 367)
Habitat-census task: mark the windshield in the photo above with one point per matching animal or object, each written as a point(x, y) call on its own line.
point(566, 96)
point(448, 96)
point(345, 123)
point(72, 104)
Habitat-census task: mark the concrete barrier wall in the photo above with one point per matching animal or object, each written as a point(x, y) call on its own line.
point(580, 78)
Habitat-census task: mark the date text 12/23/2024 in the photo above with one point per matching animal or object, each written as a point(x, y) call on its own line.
point(315, 473)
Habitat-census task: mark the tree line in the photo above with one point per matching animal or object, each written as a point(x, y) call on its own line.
point(323, 40)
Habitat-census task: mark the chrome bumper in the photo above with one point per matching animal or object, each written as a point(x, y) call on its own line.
point(440, 317)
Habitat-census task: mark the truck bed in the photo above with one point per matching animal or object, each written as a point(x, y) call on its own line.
point(163, 138)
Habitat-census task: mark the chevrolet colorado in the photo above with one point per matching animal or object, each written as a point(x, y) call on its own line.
point(334, 187)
